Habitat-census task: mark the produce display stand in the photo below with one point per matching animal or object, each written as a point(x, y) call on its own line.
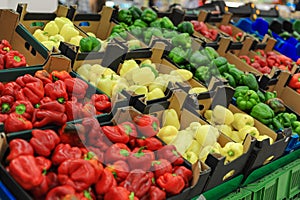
point(268, 165)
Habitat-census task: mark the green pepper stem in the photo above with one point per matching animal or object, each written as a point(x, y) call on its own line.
point(5, 108)
point(61, 100)
point(230, 153)
point(20, 109)
point(17, 58)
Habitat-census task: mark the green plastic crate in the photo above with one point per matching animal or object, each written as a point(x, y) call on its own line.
point(284, 183)
point(240, 194)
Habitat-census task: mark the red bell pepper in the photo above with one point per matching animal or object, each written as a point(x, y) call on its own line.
point(43, 163)
point(298, 61)
point(3, 117)
point(160, 167)
point(139, 182)
point(226, 29)
point(213, 34)
point(255, 65)
point(14, 59)
point(6, 102)
point(25, 171)
point(260, 60)
point(261, 52)
point(49, 181)
point(98, 153)
point(95, 137)
point(152, 177)
point(16, 122)
point(147, 125)
point(246, 59)
point(152, 143)
point(76, 87)
point(2, 63)
point(119, 193)
point(238, 36)
point(78, 173)
point(52, 105)
point(45, 117)
point(155, 193)
point(171, 183)
point(10, 89)
point(44, 141)
point(73, 134)
point(93, 160)
point(295, 81)
point(1, 87)
point(169, 153)
point(273, 61)
point(5, 47)
point(19, 147)
point(265, 70)
point(57, 91)
point(60, 75)
point(119, 169)
point(105, 183)
point(60, 192)
point(89, 110)
point(114, 134)
point(52, 180)
point(185, 173)
point(64, 152)
point(115, 152)
point(44, 76)
point(129, 129)
point(32, 89)
point(101, 102)
point(73, 109)
point(24, 108)
point(141, 159)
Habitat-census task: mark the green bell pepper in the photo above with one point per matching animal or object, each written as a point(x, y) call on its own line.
point(178, 55)
point(156, 23)
point(284, 119)
point(261, 96)
point(250, 81)
point(198, 59)
point(210, 52)
point(223, 69)
point(276, 124)
point(296, 127)
point(219, 61)
point(136, 31)
point(236, 73)
point(152, 32)
point(125, 16)
point(270, 95)
point(169, 34)
point(186, 27)
point(276, 104)
point(263, 113)
point(247, 99)
point(202, 73)
point(149, 15)
point(89, 44)
point(296, 25)
point(140, 23)
point(120, 29)
point(238, 89)
point(166, 23)
point(135, 12)
point(230, 79)
point(182, 40)
point(231, 66)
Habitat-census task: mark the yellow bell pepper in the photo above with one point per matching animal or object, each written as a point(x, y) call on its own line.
point(109, 71)
point(216, 148)
point(232, 151)
point(191, 157)
point(197, 90)
point(143, 76)
point(160, 83)
point(51, 28)
point(75, 40)
point(147, 61)
point(208, 114)
point(184, 74)
point(84, 71)
point(91, 34)
point(241, 120)
point(222, 115)
point(248, 130)
point(193, 127)
point(182, 141)
point(225, 129)
point(235, 136)
point(68, 31)
point(57, 38)
point(40, 35)
point(139, 89)
point(127, 66)
point(195, 147)
point(61, 21)
point(170, 117)
point(204, 153)
point(49, 45)
point(207, 135)
point(106, 84)
point(155, 94)
point(263, 137)
point(167, 134)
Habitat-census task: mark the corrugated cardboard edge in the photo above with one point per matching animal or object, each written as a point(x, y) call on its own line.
point(59, 63)
point(3, 144)
point(8, 21)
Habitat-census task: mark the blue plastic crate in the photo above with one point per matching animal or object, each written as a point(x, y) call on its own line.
point(5, 193)
point(294, 144)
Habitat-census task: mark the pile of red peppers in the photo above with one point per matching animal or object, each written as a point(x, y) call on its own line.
point(47, 99)
point(202, 28)
point(264, 62)
point(86, 161)
point(10, 58)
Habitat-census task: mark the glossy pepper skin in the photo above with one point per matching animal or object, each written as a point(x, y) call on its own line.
point(101, 102)
point(185, 173)
point(64, 152)
point(115, 152)
point(14, 59)
point(250, 81)
point(10, 89)
point(202, 73)
point(147, 125)
point(136, 12)
point(44, 76)
point(178, 55)
point(19, 147)
point(73, 109)
point(105, 183)
point(16, 122)
point(70, 173)
point(139, 182)
point(60, 75)
point(232, 151)
point(73, 134)
point(76, 87)
point(169, 153)
point(125, 16)
point(49, 181)
point(116, 193)
point(89, 44)
point(182, 40)
point(114, 134)
point(276, 104)
point(152, 143)
point(44, 141)
point(45, 117)
point(43, 163)
point(129, 129)
point(246, 99)
point(160, 167)
point(32, 89)
point(186, 27)
point(171, 183)
point(25, 171)
point(60, 192)
point(295, 81)
point(57, 91)
point(6, 103)
point(24, 108)
point(270, 95)
point(141, 159)
point(5, 47)
point(263, 113)
point(2, 62)
point(119, 169)
point(148, 15)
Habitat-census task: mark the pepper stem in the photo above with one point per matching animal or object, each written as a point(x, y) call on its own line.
point(131, 196)
point(17, 58)
point(87, 194)
point(61, 100)
point(6, 49)
point(20, 109)
point(230, 153)
point(5, 108)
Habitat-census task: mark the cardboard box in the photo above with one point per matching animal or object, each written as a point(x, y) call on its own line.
point(21, 40)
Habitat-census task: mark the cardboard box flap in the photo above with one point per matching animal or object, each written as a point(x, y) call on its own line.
point(59, 63)
point(3, 144)
point(223, 96)
point(8, 21)
point(126, 114)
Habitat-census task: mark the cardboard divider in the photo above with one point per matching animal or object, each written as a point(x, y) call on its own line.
point(3, 144)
